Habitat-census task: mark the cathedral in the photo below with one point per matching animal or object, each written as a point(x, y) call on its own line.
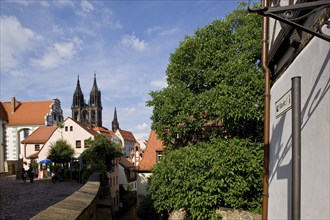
point(89, 114)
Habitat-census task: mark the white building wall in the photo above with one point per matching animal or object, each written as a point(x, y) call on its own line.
point(14, 135)
point(77, 133)
point(122, 176)
point(141, 187)
point(312, 64)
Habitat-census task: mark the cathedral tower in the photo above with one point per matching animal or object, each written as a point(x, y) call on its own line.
point(89, 114)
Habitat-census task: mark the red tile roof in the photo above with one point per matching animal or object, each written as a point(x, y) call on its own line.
point(40, 136)
point(125, 163)
point(127, 135)
point(27, 113)
point(149, 159)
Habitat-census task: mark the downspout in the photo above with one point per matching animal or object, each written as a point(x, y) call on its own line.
point(267, 73)
point(296, 147)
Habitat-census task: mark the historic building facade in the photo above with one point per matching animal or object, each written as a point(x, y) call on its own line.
point(18, 119)
point(89, 114)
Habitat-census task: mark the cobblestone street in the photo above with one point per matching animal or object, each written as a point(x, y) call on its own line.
point(19, 200)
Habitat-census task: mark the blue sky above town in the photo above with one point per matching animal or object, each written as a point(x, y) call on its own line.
point(45, 45)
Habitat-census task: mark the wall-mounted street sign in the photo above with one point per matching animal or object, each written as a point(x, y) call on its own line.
point(283, 104)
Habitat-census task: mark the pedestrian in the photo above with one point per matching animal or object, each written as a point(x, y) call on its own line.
point(30, 174)
point(24, 175)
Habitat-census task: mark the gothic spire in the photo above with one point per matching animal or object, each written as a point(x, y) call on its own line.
point(78, 96)
point(94, 88)
point(115, 123)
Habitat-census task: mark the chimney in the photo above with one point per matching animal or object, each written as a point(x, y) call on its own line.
point(13, 105)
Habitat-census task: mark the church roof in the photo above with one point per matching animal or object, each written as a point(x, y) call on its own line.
point(40, 136)
point(149, 159)
point(127, 135)
point(26, 113)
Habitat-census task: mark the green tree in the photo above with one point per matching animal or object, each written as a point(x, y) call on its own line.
point(215, 84)
point(203, 177)
point(60, 151)
point(100, 155)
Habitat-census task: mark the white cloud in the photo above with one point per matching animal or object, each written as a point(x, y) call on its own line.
point(21, 2)
point(131, 41)
point(129, 110)
point(15, 40)
point(59, 53)
point(108, 20)
point(44, 4)
point(63, 3)
point(162, 32)
point(158, 83)
point(86, 6)
point(169, 31)
point(153, 29)
point(142, 126)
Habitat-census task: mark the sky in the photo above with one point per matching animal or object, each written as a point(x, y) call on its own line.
point(46, 44)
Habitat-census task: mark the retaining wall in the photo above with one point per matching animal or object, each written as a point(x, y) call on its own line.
point(81, 205)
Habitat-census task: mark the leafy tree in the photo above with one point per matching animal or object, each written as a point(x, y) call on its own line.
point(60, 151)
point(215, 84)
point(200, 178)
point(101, 153)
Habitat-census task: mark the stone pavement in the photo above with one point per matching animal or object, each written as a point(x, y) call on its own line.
point(19, 200)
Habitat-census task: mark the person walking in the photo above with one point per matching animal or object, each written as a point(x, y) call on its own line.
point(30, 174)
point(24, 175)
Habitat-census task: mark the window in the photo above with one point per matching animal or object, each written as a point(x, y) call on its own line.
point(66, 128)
point(36, 147)
point(159, 154)
point(71, 128)
point(78, 144)
point(26, 133)
point(86, 144)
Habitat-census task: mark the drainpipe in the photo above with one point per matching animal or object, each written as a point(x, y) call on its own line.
point(296, 146)
point(267, 73)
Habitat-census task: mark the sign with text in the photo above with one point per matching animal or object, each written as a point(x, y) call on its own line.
point(283, 104)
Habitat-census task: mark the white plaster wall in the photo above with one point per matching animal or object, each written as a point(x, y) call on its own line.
point(78, 133)
point(122, 176)
point(312, 64)
point(141, 187)
point(12, 151)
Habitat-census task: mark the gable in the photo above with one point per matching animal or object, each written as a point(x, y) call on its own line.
point(149, 159)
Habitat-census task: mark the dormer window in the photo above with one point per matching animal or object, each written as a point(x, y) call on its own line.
point(159, 154)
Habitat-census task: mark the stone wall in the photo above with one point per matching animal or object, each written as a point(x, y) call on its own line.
point(81, 205)
point(226, 213)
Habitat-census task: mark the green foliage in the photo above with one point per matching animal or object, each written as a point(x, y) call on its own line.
point(101, 153)
point(60, 151)
point(214, 78)
point(200, 178)
point(146, 211)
